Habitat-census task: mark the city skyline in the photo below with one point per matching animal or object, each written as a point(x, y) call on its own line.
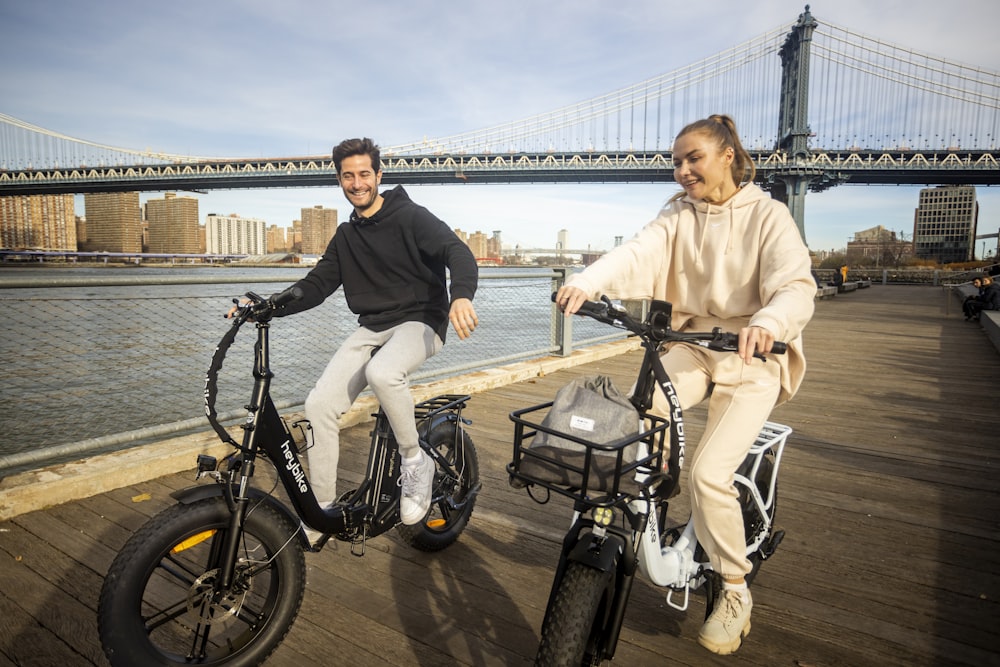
point(328, 84)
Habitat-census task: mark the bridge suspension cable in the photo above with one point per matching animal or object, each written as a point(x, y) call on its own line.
point(864, 93)
point(609, 121)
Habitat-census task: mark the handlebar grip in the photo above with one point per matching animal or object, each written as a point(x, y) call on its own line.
point(595, 309)
point(293, 293)
point(778, 347)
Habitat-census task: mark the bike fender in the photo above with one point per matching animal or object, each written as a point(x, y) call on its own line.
point(193, 494)
point(603, 556)
point(429, 425)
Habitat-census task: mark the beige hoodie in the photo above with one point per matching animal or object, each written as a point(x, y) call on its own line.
point(731, 265)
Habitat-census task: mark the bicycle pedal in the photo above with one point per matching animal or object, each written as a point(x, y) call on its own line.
point(318, 545)
point(767, 550)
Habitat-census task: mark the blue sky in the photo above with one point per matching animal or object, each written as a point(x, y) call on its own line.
point(265, 78)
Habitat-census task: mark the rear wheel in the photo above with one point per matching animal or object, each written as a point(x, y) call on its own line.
point(454, 494)
point(756, 523)
point(159, 605)
point(573, 632)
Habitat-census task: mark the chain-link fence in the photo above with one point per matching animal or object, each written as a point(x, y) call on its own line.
point(104, 363)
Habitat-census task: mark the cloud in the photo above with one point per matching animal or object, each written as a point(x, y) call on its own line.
point(259, 78)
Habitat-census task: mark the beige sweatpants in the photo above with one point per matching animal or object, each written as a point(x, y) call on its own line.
point(740, 399)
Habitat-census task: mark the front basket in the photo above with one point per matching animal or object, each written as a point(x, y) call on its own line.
point(600, 474)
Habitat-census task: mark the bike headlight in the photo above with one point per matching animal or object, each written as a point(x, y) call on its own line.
point(603, 516)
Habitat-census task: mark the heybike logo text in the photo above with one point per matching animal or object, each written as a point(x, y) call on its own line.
point(294, 467)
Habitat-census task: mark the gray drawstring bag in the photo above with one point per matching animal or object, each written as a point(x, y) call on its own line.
point(590, 409)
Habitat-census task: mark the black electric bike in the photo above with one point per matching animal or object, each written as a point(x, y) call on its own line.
point(620, 522)
point(218, 578)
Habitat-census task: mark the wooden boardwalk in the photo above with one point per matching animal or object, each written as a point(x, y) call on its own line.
point(888, 494)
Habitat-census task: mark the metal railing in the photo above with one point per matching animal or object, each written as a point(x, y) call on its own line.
point(95, 363)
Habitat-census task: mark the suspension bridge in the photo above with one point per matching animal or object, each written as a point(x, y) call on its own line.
point(817, 105)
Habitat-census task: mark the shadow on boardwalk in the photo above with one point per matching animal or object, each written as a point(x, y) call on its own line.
point(888, 496)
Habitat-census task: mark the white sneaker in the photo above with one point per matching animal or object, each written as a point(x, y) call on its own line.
point(312, 536)
point(729, 623)
point(417, 481)
point(315, 538)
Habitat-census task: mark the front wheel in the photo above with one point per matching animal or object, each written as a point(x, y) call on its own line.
point(573, 632)
point(160, 606)
point(454, 494)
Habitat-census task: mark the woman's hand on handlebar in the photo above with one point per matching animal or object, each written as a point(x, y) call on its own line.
point(754, 340)
point(569, 299)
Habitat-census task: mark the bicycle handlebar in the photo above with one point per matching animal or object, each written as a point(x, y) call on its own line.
point(261, 309)
point(657, 326)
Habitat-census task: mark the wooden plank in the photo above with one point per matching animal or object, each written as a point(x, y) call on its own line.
point(888, 496)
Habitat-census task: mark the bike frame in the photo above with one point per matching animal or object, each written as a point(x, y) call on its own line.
point(637, 544)
point(370, 510)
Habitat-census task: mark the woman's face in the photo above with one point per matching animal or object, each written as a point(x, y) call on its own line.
point(704, 171)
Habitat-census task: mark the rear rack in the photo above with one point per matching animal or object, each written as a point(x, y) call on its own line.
point(433, 406)
point(595, 474)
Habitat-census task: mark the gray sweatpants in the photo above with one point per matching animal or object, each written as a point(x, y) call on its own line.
point(403, 349)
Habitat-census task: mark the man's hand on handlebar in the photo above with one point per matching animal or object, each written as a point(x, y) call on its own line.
point(569, 299)
point(236, 306)
point(261, 307)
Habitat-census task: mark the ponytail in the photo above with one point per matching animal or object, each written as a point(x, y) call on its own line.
point(722, 129)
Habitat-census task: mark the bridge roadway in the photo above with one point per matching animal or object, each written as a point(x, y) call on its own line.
point(825, 168)
point(888, 495)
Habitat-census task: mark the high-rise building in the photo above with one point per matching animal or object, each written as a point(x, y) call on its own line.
point(478, 245)
point(114, 221)
point(37, 222)
point(944, 227)
point(318, 227)
point(276, 239)
point(233, 235)
point(173, 224)
point(494, 246)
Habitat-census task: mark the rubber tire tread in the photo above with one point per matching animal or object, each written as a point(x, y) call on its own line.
point(569, 624)
point(121, 630)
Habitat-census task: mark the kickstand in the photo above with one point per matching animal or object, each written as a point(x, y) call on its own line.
point(358, 543)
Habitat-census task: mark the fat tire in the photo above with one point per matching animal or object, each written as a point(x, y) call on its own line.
point(452, 500)
point(573, 629)
point(148, 574)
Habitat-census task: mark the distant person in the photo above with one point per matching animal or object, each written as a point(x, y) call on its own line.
point(725, 254)
point(838, 279)
point(843, 274)
point(988, 300)
point(391, 258)
point(967, 303)
point(819, 283)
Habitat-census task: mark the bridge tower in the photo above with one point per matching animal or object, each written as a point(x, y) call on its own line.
point(791, 183)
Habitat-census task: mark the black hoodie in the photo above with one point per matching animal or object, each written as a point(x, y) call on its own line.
point(392, 267)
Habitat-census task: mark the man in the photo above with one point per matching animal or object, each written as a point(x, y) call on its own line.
point(390, 258)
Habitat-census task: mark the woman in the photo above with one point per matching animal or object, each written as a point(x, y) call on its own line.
point(724, 254)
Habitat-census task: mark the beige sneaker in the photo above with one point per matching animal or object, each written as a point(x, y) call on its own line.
point(729, 623)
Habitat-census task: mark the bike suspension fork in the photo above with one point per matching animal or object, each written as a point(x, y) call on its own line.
point(238, 510)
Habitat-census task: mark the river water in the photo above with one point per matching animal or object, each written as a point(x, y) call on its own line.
point(88, 362)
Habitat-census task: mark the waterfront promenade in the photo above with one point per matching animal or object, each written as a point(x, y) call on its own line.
point(888, 494)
